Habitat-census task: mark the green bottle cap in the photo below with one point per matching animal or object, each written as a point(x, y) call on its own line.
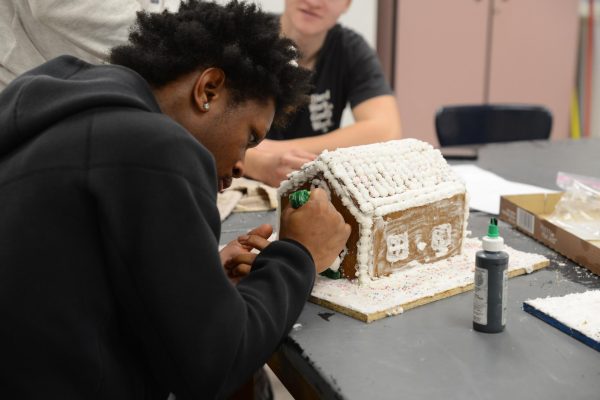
point(493, 228)
point(299, 197)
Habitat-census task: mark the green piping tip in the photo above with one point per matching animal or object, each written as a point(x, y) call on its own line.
point(331, 274)
point(493, 228)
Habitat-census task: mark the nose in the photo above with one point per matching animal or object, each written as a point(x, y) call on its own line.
point(238, 169)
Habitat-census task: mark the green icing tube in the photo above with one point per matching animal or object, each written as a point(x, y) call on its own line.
point(331, 274)
point(297, 199)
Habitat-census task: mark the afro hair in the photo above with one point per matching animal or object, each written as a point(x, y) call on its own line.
point(238, 38)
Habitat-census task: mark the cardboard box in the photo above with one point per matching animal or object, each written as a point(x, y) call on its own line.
point(528, 213)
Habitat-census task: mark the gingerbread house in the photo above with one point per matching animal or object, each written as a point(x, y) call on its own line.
point(401, 198)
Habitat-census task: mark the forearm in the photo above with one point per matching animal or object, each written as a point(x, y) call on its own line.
point(252, 164)
point(377, 120)
point(278, 287)
point(181, 308)
point(262, 167)
point(361, 132)
point(272, 166)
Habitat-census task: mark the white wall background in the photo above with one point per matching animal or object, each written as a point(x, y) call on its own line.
point(361, 17)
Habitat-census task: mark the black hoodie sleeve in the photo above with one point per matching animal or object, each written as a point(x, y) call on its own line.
point(201, 336)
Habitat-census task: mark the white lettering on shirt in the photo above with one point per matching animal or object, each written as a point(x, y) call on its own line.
point(321, 111)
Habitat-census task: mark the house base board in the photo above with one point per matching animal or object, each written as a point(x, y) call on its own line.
point(414, 285)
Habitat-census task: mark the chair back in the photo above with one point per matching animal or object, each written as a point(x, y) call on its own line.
point(488, 123)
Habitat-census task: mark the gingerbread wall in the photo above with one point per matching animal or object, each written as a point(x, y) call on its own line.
point(424, 234)
point(348, 266)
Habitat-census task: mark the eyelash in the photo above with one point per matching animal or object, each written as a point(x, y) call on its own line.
point(253, 141)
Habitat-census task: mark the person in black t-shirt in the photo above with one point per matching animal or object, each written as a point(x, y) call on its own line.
point(346, 70)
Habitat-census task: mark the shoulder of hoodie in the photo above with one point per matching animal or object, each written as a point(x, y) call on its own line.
point(144, 137)
point(132, 138)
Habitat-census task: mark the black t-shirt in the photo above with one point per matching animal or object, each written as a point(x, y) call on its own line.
point(347, 70)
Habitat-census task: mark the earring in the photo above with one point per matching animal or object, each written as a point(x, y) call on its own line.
point(206, 106)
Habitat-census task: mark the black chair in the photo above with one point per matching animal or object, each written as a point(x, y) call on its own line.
point(488, 123)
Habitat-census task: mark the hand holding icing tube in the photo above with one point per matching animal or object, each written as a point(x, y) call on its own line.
point(297, 199)
point(317, 225)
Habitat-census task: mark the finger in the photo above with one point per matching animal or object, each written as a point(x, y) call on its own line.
point(244, 258)
point(287, 211)
point(347, 231)
point(254, 241)
point(287, 171)
point(265, 144)
point(318, 194)
point(304, 154)
point(295, 162)
point(241, 270)
point(264, 230)
point(280, 174)
point(229, 250)
point(240, 242)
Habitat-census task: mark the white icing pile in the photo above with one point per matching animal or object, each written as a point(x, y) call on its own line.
point(414, 282)
point(580, 311)
point(378, 179)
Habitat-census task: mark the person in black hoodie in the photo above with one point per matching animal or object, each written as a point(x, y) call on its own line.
point(111, 283)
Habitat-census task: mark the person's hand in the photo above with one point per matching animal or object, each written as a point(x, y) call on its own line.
point(237, 256)
point(271, 167)
point(288, 162)
point(318, 226)
point(276, 146)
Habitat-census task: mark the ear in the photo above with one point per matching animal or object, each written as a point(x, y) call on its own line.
point(208, 87)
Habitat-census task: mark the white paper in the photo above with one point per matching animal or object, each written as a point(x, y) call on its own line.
point(485, 188)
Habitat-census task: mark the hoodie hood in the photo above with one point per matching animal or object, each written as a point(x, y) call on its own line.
point(62, 87)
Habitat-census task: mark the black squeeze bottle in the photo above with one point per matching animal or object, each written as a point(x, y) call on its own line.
point(491, 264)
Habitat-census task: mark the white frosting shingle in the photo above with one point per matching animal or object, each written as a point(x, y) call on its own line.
point(384, 177)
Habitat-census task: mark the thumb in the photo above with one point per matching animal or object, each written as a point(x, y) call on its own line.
point(264, 230)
